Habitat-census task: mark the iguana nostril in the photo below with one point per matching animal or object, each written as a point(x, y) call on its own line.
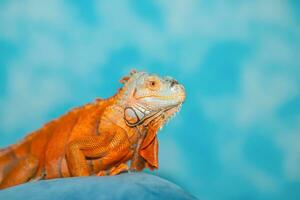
point(173, 82)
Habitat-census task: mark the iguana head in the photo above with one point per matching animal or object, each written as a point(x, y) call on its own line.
point(148, 98)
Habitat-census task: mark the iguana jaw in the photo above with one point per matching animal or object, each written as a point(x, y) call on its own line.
point(163, 115)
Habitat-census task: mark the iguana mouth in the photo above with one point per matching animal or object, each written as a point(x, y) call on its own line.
point(160, 97)
point(180, 97)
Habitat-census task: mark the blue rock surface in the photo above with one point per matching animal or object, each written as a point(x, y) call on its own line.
point(123, 186)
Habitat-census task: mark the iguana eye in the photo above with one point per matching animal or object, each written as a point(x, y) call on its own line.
point(153, 83)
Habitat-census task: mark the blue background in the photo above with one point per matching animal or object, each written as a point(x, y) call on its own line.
point(238, 134)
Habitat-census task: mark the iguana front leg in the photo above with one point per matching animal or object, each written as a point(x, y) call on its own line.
point(114, 170)
point(137, 161)
point(110, 148)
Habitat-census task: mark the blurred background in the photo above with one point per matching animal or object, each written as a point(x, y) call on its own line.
point(238, 134)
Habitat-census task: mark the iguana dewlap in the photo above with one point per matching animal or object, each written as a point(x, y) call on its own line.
point(98, 138)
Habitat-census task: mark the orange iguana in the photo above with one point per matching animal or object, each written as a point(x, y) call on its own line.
point(97, 138)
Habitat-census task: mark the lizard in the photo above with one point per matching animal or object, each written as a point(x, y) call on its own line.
point(99, 138)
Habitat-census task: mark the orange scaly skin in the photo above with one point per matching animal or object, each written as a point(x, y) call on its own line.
point(97, 138)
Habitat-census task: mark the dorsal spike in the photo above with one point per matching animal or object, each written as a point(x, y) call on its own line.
point(127, 77)
point(124, 79)
point(133, 71)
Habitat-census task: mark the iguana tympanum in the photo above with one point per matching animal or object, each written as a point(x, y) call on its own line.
point(98, 138)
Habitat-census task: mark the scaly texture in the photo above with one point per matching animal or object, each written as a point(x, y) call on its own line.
point(98, 138)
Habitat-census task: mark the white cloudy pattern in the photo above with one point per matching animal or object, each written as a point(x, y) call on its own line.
point(61, 50)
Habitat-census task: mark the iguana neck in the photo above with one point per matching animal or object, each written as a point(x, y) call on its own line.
point(113, 114)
